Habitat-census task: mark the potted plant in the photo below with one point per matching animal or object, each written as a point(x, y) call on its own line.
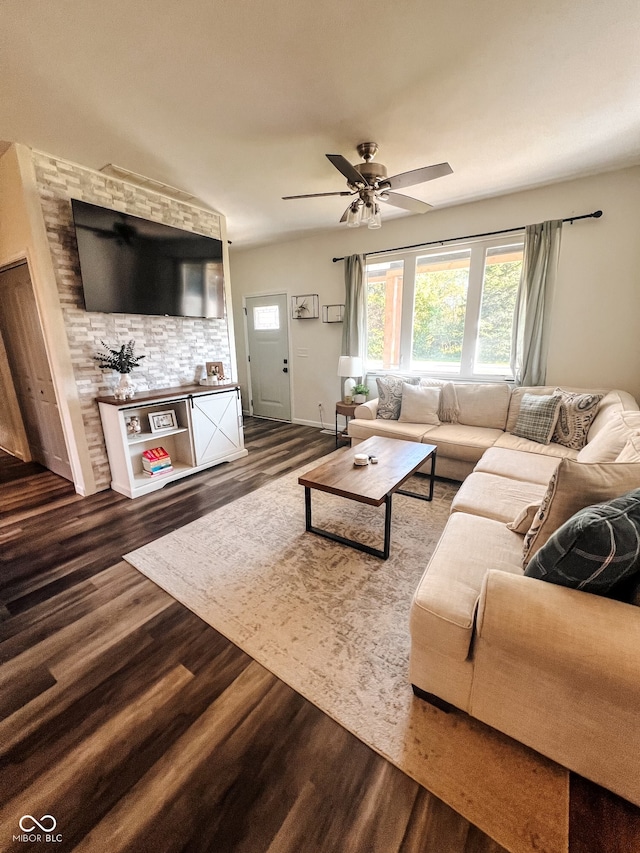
point(123, 361)
point(360, 393)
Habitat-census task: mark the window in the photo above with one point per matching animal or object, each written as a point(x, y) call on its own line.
point(448, 311)
point(266, 318)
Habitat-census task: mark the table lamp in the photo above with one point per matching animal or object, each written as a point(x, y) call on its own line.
point(349, 366)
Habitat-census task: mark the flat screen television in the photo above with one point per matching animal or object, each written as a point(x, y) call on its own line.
point(130, 265)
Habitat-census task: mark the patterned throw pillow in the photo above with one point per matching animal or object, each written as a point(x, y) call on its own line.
point(597, 550)
point(537, 417)
point(540, 516)
point(576, 415)
point(390, 396)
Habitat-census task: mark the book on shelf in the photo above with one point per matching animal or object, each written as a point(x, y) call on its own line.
point(157, 471)
point(155, 459)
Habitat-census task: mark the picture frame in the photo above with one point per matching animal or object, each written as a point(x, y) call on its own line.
point(305, 307)
point(215, 369)
point(332, 313)
point(161, 421)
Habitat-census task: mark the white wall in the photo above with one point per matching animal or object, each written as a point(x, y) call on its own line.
point(594, 339)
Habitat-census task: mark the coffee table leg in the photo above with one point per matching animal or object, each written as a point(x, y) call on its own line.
point(387, 527)
point(432, 477)
point(335, 537)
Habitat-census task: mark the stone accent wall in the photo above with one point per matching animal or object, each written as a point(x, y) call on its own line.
point(175, 347)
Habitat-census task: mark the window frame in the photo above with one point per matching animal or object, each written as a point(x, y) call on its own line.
point(478, 252)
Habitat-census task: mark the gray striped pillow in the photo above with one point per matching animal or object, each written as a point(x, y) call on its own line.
point(537, 417)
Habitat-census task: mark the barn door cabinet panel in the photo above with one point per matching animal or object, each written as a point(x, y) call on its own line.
point(197, 427)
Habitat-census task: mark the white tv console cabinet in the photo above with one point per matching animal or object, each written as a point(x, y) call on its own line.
point(207, 431)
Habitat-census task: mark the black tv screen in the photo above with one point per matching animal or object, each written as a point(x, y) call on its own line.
point(130, 265)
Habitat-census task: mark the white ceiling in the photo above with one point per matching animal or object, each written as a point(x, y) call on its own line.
point(237, 101)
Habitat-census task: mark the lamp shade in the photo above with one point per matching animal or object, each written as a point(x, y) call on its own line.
point(349, 365)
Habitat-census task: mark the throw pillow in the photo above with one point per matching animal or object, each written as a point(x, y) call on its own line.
point(449, 407)
point(607, 445)
point(631, 451)
point(537, 417)
point(390, 396)
point(597, 550)
point(419, 405)
point(573, 486)
point(576, 415)
point(524, 519)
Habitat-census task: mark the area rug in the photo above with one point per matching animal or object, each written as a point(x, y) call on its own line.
point(332, 623)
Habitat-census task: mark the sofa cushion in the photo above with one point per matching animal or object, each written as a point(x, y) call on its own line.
point(390, 429)
point(420, 405)
point(390, 396)
point(458, 441)
point(537, 417)
point(483, 405)
point(495, 497)
point(611, 404)
point(608, 443)
point(577, 412)
point(531, 467)
point(597, 550)
point(514, 442)
point(631, 451)
point(444, 604)
point(574, 486)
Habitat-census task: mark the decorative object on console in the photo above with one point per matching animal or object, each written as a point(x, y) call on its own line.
point(132, 423)
point(332, 313)
point(305, 307)
point(123, 361)
point(360, 393)
point(349, 366)
point(215, 372)
point(159, 421)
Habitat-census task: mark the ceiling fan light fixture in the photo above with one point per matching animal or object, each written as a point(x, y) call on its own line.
point(354, 215)
point(376, 221)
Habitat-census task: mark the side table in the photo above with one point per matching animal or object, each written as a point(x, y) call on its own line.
point(348, 411)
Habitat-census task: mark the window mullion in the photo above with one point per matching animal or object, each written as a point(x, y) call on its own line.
point(408, 300)
point(472, 314)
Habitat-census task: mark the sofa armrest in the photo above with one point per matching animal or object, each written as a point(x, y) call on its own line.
point(367, 411)
point(587, 637)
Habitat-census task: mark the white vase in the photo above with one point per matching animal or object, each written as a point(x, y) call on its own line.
point(360, 398)
point(125, 389)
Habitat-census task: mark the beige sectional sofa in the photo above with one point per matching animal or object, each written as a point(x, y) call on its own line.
point(556, 668)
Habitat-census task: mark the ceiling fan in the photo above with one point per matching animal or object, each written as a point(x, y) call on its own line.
point(368, 182)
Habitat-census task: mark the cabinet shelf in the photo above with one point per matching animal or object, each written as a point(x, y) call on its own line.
point(153, 436)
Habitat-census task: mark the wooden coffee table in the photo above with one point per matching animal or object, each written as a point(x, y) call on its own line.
point(369, 484)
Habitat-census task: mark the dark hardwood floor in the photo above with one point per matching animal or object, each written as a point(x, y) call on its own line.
point(140, 728)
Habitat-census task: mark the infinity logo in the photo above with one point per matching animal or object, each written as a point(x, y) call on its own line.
point(38, 823)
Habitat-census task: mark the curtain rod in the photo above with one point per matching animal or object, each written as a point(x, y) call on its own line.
point(595, 215)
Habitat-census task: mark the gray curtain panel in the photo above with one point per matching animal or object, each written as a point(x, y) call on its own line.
point(354, 334)
point(531, 322)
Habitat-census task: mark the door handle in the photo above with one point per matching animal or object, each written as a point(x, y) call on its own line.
point(285, 369)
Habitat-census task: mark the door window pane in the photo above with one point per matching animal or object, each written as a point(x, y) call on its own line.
point(440, 303)
point(502, 269)
point(266, 318)
point(384, 314)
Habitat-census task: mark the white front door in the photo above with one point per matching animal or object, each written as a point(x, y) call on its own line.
point(268, 340)
point(30, 371)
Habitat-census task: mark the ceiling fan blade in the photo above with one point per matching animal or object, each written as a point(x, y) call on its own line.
point(407, 203)
point(350, 172)
point(315, 195)
point(417, 176)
